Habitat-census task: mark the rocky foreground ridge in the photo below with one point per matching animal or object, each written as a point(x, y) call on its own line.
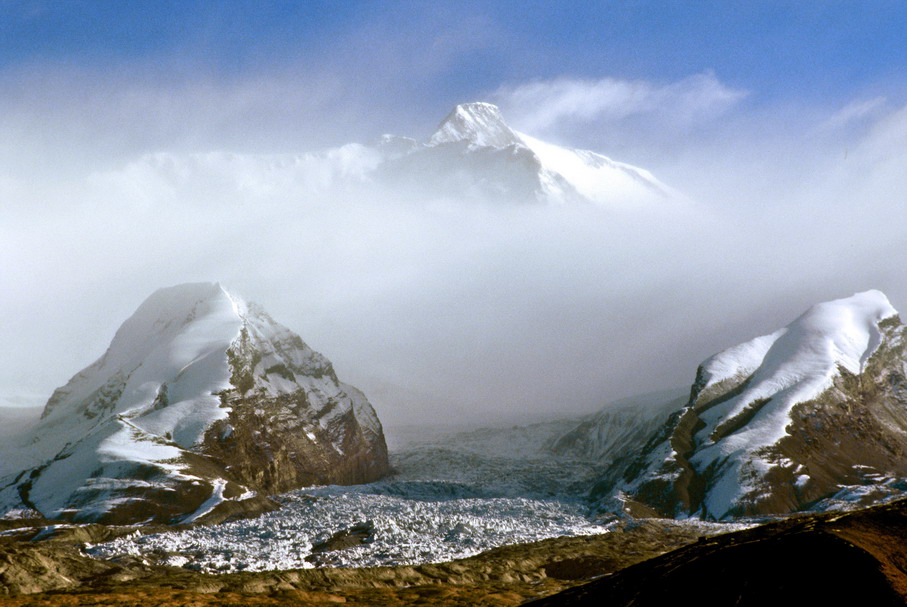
point(855, 558)
point(809, 416)
point(201, 406)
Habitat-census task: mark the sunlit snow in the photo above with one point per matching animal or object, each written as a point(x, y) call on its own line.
point(793, 365)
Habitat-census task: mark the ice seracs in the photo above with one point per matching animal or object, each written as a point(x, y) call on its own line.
point(201, 405)
point(787, 421)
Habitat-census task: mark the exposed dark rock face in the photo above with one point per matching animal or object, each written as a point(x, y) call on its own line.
point(292, 423)
point(263, 442)
point(201, 405)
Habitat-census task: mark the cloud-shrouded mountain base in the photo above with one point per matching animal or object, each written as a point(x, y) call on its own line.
point(433, 304)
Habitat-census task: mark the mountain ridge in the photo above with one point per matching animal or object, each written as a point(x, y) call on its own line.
point(478, 123)
point(813, 412)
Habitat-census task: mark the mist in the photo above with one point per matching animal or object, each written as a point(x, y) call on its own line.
point(439, 308)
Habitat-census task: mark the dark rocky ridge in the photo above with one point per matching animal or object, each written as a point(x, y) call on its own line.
point(828, 559)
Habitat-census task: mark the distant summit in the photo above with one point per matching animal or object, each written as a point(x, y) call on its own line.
point(472, 156)
point(475, 154)
point(200, 407)
point(477, 123)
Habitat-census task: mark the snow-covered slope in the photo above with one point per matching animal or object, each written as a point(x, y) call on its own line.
point(17, 415)
point(473, 155)
point(786, 420)
point(200, 400)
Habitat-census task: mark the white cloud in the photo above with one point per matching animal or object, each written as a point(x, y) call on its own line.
point(857, 111)
point(541, 105)
point(471, 310)
point(86, 117)
point(456, 308)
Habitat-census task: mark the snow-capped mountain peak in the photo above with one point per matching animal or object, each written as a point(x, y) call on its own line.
point(477, 123)
point(505, 163)
point(786, 420)
point(173, 338)
point(201, 398)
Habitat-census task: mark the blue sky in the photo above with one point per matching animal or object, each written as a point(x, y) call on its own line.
point(294, 76)
point(453, 51)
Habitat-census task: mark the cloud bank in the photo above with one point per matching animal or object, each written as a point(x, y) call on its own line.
point(539, 105)
point(441, 310)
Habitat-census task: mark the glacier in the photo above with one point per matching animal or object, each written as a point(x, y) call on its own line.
point(454, 495)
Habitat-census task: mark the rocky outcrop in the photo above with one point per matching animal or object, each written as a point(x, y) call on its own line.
point(318, 431)
point(811, 416)
point(202, 405)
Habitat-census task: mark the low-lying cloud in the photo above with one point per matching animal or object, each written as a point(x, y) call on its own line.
point(444, 310)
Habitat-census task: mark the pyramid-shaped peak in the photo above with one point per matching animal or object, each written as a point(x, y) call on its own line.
point(180, 412)
point(478, 123)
